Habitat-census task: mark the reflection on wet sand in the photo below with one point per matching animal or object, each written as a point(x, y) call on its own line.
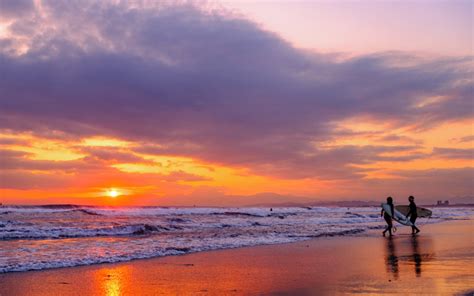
point(111, 281)
point(391, 258)
point(416, 255)
point(413, 251)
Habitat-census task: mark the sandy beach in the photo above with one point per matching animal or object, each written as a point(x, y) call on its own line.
point(436, 262)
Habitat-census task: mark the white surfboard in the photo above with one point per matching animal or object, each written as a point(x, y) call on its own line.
point(397, 216)
point(421, 212)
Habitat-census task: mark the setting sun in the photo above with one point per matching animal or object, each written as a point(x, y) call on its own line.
point(113, 193)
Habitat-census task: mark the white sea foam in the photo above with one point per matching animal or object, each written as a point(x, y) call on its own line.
point(49, 237)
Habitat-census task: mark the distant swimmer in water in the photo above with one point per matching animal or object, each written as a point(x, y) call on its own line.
point(388, 217)
point(413, 214)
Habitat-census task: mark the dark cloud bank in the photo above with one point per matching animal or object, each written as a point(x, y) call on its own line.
point(212, 85)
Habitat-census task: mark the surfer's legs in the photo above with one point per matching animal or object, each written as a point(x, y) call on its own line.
point(389, 229)
point(414, 229)
point(389, 226)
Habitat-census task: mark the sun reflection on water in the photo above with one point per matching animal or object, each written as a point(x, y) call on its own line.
point(111, 280)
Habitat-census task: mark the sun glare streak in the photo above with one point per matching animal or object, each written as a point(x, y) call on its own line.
point(105, 142)
point(49, 151)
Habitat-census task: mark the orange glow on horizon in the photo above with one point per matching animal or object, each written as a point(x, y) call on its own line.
point(64, 170)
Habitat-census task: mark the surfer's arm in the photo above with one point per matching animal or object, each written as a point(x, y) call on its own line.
point(381, 213)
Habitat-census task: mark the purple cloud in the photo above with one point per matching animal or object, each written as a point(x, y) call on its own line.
point(214, 86)
point(16, 8)
point(453, 153)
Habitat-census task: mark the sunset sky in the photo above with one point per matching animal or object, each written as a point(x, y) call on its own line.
point(235, 102)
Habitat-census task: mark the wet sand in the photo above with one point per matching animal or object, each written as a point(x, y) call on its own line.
point(436, 262)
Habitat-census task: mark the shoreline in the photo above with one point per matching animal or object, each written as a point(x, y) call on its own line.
point(38, 240)
point(325, 264)
point(368, 233)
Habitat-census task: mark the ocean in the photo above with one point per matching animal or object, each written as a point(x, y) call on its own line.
point(42, 237)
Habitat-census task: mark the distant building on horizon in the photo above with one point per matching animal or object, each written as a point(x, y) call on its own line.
point(442, 203)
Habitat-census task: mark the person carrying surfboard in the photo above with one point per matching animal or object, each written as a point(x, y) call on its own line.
point(412, 214)
point(388, 216)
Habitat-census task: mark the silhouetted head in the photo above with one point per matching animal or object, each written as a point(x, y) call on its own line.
point(389, 200)
point(411, 198)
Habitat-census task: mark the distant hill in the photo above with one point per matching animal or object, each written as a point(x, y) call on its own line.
point(348, 203)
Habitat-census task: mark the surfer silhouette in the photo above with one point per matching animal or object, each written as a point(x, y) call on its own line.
point(412, 214)
point(388, 217)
